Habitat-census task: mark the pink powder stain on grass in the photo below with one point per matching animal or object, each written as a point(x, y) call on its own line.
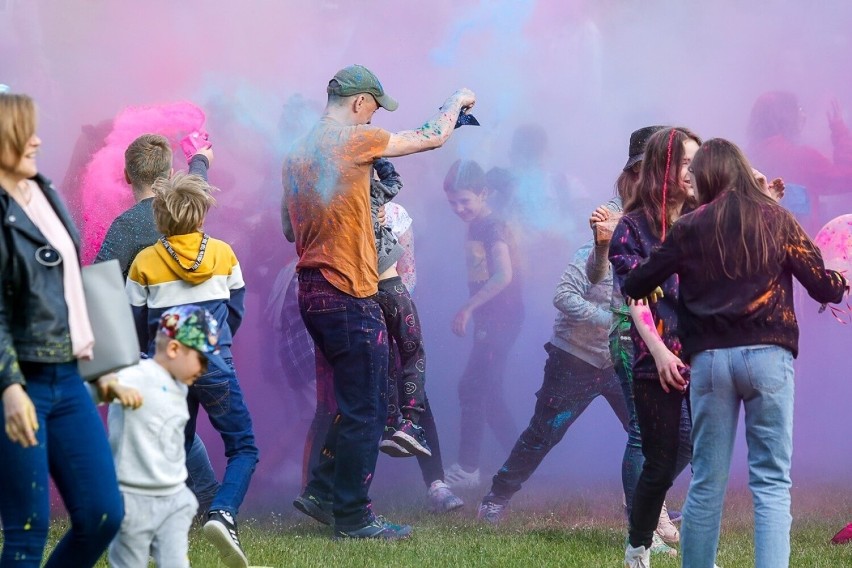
point(104, 192)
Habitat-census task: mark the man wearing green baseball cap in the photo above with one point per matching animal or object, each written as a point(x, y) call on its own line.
point(326, 212)
point(357, 79)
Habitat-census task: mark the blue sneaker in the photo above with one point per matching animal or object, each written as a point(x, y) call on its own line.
point(377, 527)
point(314, 507)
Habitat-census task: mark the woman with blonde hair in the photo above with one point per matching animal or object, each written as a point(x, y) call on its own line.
point(51, 426)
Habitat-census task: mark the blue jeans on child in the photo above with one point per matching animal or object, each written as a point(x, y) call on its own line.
point(73, 447)
point(350, 332)
point(760, 377)
point(220, 394)
point(569, 387)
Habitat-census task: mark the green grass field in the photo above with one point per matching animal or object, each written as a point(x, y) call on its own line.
point(581, 530)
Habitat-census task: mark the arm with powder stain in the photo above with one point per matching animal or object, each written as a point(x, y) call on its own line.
point(668, 364)
point(435, 132)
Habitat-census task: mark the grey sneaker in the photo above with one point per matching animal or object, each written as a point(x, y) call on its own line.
point(221, 530)
point(378, 528)
point(314, 507)
point(442, 499)
point(458, 478)
point(491, 512)
point(658, 546)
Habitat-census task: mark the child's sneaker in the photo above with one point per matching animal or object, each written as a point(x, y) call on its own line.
point(491, 512)
point(639, 557)
point(441, 499)
point(412, 437)
point(660, 547)
point(844, 536)
point(666, 529)
point(314, 507)
point(457, 477)
point(390, 446)
point(221, 530)
point(378, 528)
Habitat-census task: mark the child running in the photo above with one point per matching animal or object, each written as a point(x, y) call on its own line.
point(187, 266)
point(148, 442)
point(497, 311)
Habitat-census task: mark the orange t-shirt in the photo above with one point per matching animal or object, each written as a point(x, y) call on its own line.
point(327, 193)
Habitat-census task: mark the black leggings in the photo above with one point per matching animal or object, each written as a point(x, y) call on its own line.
point(659, 415)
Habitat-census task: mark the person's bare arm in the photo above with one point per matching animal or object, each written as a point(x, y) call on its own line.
point(500, 278)
point(435, 132)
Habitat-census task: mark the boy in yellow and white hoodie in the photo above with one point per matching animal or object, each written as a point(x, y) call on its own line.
point(187, 266)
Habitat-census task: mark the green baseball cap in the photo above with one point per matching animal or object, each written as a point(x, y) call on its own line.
point(357, 79)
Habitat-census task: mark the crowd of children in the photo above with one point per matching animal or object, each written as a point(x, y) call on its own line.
point(676, 313)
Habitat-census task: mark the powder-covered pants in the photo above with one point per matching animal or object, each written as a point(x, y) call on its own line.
point(570, 385)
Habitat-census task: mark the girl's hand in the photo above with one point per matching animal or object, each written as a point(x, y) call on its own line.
point(460, 322)
point(21, 419)
point(669, 367)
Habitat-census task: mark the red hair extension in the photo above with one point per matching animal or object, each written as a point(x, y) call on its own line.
point(666, 181)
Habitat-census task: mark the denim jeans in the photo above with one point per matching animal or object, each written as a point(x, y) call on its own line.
point(570, 385)
point(201, 479)
point(760, 377)
point(621, 351)
point(431, 467)
point(481, 390)
point(666, 448)
point(220, 394)
point(350, 333)
point(73, 449)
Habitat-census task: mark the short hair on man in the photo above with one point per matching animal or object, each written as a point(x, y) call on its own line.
point(181, 203)
point(147, 159)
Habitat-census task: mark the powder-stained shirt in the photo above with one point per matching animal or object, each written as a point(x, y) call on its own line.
point(716, 311)
point(633, 242)
point(326, 181)
point(482, 235)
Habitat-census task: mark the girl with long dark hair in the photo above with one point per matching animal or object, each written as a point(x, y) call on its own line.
point(736, 257)
point(662, 193)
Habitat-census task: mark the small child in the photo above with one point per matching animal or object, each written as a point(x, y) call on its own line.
point(497, 310)
point(148, 442)
point(403, 436)
point(187, 266)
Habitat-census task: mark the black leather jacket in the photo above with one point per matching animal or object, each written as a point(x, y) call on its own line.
point(33, 314)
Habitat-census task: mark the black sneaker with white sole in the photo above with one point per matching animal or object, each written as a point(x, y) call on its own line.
point(221, 530)
point(413, 438)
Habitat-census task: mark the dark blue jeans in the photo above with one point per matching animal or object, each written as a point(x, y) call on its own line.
point(222, 398)
point(350, 332)
point(569, 387)
point(73, 450)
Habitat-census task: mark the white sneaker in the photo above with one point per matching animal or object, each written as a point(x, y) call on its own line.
point(458, 478)
point(639, 557)
point(441, 499)
point(666, 528)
